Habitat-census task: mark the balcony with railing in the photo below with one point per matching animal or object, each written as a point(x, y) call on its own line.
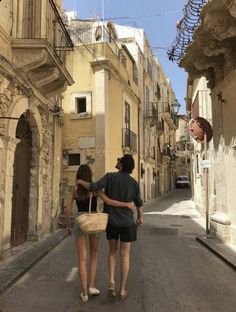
point(40, 41)
point(168, 152)
point(129, 140)
point(169, 116)
point(160, 126)
point(150, 111)
point(82, 34)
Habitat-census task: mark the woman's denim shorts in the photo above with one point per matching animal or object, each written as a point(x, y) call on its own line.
point(76, 231)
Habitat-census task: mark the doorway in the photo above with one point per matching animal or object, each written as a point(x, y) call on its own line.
point(21, 183)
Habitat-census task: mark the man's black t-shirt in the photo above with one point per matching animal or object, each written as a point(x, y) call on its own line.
point(119, 186)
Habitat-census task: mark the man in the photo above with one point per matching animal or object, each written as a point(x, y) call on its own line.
point(121, 225)
point(118, 164)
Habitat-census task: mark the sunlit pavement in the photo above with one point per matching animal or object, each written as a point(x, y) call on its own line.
point(170, 270)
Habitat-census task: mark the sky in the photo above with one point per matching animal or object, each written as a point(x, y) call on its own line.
point(160, 29)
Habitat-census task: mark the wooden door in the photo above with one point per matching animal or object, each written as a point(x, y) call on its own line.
point(21, 183)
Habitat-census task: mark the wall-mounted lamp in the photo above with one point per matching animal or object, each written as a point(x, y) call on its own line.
point(175, 107)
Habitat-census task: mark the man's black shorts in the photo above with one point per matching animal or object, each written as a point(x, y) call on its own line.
point(124, 233)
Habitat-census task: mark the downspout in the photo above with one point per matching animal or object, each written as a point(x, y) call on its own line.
point(139, 141)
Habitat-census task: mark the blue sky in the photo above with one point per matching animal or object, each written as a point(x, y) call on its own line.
point(160, 30)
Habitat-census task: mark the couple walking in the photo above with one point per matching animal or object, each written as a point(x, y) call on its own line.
point(121, 194)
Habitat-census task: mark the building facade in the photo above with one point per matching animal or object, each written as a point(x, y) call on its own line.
point(156, 120)
point(212, 55)
point(101, 110)
point(183, 147)
point(32, 78)
point(117, 107)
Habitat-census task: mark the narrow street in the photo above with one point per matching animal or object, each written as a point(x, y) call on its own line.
point(170, 270)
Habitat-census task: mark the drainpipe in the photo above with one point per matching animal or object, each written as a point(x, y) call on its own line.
point(139, 141)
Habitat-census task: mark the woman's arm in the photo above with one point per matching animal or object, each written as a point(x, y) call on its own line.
point(69, 210)
point(115, 203)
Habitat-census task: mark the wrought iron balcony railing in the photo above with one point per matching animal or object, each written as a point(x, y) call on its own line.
point(160, 126)
point(129, 139)
point(150, 111)
point(92, 35)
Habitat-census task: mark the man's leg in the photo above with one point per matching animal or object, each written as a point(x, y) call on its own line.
point(125, 256)
point(112, 261)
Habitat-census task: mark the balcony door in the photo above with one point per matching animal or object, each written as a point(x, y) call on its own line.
point(127, 124)
point(32, 19)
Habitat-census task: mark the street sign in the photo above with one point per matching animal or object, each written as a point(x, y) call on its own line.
point(205, 163)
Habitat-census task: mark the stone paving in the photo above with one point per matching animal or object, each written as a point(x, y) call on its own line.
point(30, 253)
point(16, 265)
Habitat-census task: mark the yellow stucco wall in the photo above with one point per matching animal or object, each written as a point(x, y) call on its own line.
point(109, 86)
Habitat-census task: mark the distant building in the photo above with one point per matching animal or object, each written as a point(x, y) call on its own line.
point(116, 106)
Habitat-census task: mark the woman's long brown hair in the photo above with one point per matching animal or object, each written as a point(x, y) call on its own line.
point(84, 173)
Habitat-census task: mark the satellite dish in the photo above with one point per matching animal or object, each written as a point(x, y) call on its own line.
point(199, 127)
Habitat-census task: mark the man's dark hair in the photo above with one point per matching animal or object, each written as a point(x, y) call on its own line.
point(127, 163)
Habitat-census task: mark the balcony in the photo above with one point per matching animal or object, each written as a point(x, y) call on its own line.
point(160, 127)
point(39, 44)
point(168, 152)
point(151, 113)
point(169, 117)
point(82, 34)
point(129, 140)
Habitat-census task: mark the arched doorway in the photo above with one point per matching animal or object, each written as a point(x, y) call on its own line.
point(21, 182)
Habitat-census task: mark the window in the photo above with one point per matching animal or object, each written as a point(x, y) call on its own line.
point(135, 73)
point(73, 159)
point(127, 115)
point(147, 101)
point(149, 68)
point(81, 105)
point(122, 58)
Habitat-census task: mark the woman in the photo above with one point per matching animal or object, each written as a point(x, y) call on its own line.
point(81, 196)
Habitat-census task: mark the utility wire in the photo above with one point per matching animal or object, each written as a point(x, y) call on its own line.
point(93, 49)
point(75, 34)
point(143, 16)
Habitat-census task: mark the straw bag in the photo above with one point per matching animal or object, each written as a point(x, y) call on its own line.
point(92, 223)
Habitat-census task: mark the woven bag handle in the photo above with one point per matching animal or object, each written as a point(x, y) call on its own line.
point(90, 201)
point(90, 204)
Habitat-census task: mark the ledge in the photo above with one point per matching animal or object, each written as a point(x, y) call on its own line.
point(223, 251)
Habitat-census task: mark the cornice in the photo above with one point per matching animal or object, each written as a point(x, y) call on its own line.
point(212, 52)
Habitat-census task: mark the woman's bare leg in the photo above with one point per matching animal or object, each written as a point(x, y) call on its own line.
point(93, 242)
point(81, 244)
